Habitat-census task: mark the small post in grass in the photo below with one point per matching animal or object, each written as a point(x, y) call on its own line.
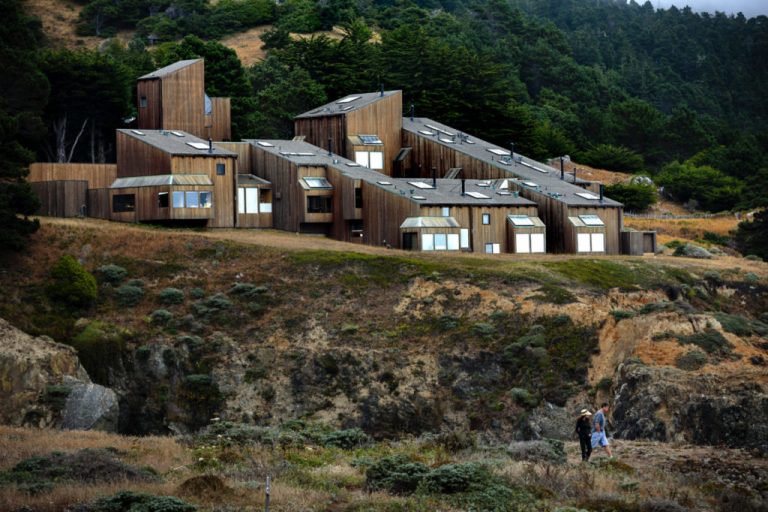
point(267, 491)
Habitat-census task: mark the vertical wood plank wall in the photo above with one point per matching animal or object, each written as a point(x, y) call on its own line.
point(220, 120)
point(243, 150)
point(383, 118)
point(97, 175)
point(61, 198)
point(183, 103)
point(384, 211)
point(317, 130)
point(224, 193)
point(287, 196)
point(151, 116)
point(554, 213)
point(137, 158)
point(99, 205)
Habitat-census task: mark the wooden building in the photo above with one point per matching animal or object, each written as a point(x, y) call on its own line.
point(63, 188)
point(320, 193)
point(174, 98)
point(364, 128)
point(438, 148)
point(177, 177)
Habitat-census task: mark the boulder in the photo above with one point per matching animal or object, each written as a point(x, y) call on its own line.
point(668, 404)
point(549, 421)
point(39, 378)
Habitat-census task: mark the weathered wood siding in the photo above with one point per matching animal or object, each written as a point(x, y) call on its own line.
point(243, 150)
point(97, 175)
point(137, 158)
point(224, 187)
point(287, 195)
point(383, 118)
point(220, 120)
point(151, 116)
point(99, 205)
point(552, 212)
point(384, 212)
point(183, 101)
point(61, 198)
point(512, 231)
point(317, 130)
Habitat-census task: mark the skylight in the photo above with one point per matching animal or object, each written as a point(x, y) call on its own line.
point(477, 195)
point(385, 183)
point(427, 132)
point(353, 164)
point(349, 99)
point(178, 134)
point(500, 152)
point(504, 193)
point(419, 198)
point(137, 132)
point(447, 141)
point(265, 144)
point(420, 184)
point(521, 220)
point(317, 182)
point(294, 153)
point(198, 145)
point(591, 220)
point(587, 195)
point(530, 184)
point(370, 139)
point(444, 132)
point(345, 108)
point(485, 183)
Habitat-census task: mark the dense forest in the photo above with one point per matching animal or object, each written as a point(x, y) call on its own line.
point(670, 93)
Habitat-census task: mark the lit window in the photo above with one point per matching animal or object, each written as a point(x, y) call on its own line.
point(220, 170)
point(377, 160)
point(465, 239)
point(162, 199)
point(453, 242)
point(191, 199)
point(582, 242)
point(493, 248)
point(123, 203)
point(486, 218)
point(522, 243)
point(427, 242)
point(317, 182)
point(206, 199)
point(598, 242)
point(178, 199)
point(446, 211)
point(441, 242)
point(537, 242)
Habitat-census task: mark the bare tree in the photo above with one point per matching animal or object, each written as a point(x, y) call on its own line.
point(60, 133)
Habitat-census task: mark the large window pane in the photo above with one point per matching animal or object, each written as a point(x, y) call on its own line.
point(598, 242)
point(178, 199)
point(265, 208)
point(361, 157)
point(496, 248)
point(537, 242)
point(522, 243)
point(582, 242)
point(241, 200)
point(465, 239)
point(251, 200)
point(206, 199)
point(441, 242)
point(489, 248)
point(453, 242)
point(191, 199)
point(123, 203)
point(427, 243)
point(377, 160)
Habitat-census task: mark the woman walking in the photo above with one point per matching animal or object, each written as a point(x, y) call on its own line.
point(584, 430)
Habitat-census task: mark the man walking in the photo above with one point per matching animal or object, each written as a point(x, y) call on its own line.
point(584, 431)
point(598, 430)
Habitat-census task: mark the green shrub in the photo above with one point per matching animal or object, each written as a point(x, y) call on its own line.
point(211, 307)
point(554, 295)
point(56, 396)
point(248, 290)
point(716, 239)
point(447, 323)
point(456, 440)
point(197, 293)
point(346, 439)
point(454, 478)
point(143, 352)
point(710, 340)
point(751, 277)
point(619, 314)
point(112, 274)
point(691, 360)
point(523, 397)
point(100, 347)
point(613, 158)
point(635, 197)
point(741, 326)
point(136, 282)
point(170, 296)
point(604, 384)
point(129, 501)
point(129, 295)
point(396, 474)
point(72, 285)
point(483, 329)
point(753, 257)
point(161, 317)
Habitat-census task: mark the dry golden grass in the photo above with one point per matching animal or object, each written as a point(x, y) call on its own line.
point(689, 229)
point(59, 18)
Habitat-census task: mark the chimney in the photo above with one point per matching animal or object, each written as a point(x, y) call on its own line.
point(562, 169)
point(462, 187)
point(602, 192)
point(574, 174)
point(434, 177)
point(210, 145)
point(382, 89)
point(330, 142)
point(413, 110)
point(512, 149)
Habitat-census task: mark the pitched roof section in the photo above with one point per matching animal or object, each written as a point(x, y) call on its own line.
point(447, 192)
point(523, 171)
point(162, 179)
point(175, 142)
point(346, 104)
point(168, 70)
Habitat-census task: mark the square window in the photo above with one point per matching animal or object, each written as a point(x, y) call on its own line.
point(178, 199)
point(377, 160)
point(220, 169)
point(162, 199)
point(582, 242)
point(206, 199)
point(598, 242)
point(191, 199)
point(123, 203)
point(537, 242)
point(441, 242)
point(453, 242)
point(522, 243)
point(427, 242)
point(486, 218)
point(361, 157)
point(489, 248)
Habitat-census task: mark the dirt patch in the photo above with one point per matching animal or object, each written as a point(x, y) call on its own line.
point(248, 45)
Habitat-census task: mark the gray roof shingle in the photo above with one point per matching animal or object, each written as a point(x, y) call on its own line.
point(341, 106)
point(170, 69)
point(169, 142)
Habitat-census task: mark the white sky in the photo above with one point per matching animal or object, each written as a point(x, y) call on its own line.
point(750, 8)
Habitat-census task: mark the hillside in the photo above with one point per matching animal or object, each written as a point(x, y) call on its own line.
point(466, 353)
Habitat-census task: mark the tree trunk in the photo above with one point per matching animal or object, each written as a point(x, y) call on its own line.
point(77, 139)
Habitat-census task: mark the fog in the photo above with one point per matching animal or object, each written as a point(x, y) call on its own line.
point(750, 8)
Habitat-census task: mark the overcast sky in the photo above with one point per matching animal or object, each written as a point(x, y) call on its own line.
point(750, 8)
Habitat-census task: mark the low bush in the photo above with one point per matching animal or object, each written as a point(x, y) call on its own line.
point(552, 294)
point(100, 347)
point(483, 329)
point(129, 501)
point(161, 317)
point(619, 314)
point(396, 474)
point(691, 360)
point(523, 397)
point(454, 478)
point(741, 326)
point(112, 274)
point(350, 438)
point(170, 296)
point(72, 285)
point(544, 450)
point(129, 295)
point(248, 290)
point(55, 396)
point(212, 308)
point(710, 340)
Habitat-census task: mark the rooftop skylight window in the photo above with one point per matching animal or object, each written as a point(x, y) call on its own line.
point(500, 152)
point(587, 195)
point(137, 132)
point(419, 198)
point(385, 183)
point(265, 144)
point(317, 182)
point(477, 195)
point(420, 184)
point(530, 184)
point(370, 139)
point(348, 99)
point(178, 134)
point(591, 220)
point(198, 145)
point(521, 220)
point(428, 133)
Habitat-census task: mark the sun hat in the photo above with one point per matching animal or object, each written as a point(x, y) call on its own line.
point(585, 412)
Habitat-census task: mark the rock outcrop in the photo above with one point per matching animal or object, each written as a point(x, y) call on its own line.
point(42, 384)
point(667, 404)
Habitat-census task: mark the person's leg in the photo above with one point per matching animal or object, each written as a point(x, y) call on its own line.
point(588, 442)
point(583, 444)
